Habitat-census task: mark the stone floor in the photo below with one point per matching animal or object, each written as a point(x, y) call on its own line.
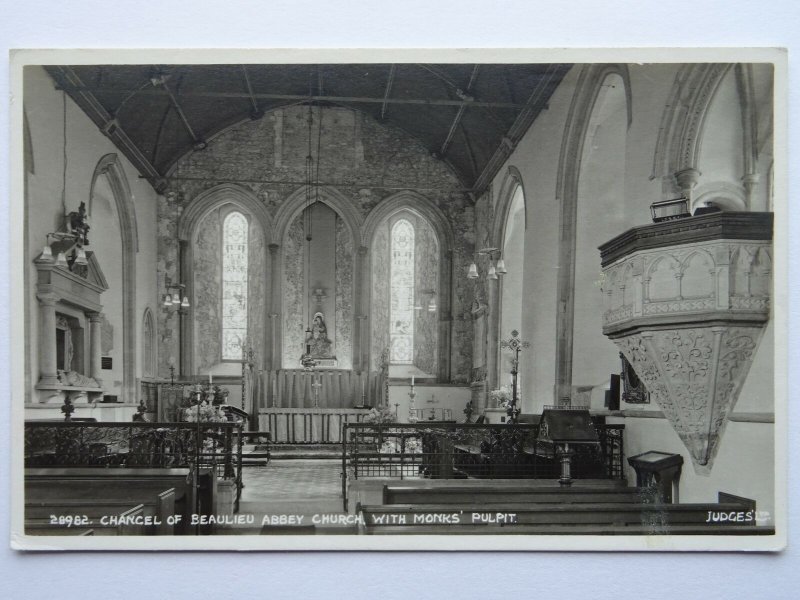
point(294, 489)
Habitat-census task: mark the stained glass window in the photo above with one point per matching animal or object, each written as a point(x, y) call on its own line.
point(234, 285)
point(401, 327)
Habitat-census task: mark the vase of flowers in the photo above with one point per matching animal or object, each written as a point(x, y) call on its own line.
point(205, 413)
point(500, 397)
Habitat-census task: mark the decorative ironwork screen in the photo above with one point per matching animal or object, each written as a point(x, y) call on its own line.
point(137, 445)
point(469, 450)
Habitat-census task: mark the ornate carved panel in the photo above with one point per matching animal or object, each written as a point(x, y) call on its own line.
point(689, 319)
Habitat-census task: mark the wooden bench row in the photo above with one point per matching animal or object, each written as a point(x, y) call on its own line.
point(541, 509)
point(98, 501)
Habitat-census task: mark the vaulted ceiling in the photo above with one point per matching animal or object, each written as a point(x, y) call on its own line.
point(469, 115)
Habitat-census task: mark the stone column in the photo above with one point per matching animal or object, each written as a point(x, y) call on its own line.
point(687, 180)
point(275, 359)
point(493, 334)
point(96, 336)
point(185, 329)
point(48, 368)
point(750, 182)
point(446, 293)
point(362, 284)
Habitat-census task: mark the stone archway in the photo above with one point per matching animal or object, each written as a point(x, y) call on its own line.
point(110, 167)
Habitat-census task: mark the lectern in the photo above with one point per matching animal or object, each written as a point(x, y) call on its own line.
point(564, 427)
point(659, 470)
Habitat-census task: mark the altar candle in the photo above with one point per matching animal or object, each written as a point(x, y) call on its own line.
point(412, 381)
point(274, 388)
point(210, 378)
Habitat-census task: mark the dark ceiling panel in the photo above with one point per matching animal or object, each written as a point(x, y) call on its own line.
point(447, 107)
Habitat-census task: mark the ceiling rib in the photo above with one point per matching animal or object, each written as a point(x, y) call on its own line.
point(388, 91)
point(157, 145)
point(533, 106)
point(256, 112)
point(465, 99)
point(68, 80)
point(198, 143)
point(307, 98)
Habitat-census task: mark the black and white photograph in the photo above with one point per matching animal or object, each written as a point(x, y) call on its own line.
point(399, 300)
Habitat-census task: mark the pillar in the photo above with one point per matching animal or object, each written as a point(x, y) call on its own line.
point(275, 358)
point(687, 180)
point(362, 284)
point(48, 368)
point(750, 182)
point(95, 336)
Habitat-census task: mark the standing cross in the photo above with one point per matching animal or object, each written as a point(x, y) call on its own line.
point(316, 385)
point(515, 344)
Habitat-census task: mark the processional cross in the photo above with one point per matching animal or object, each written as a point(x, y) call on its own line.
point(515, 344)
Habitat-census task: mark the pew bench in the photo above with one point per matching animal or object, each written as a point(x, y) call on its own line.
point(546, 518)
point(471, 494)
point(126, 522)
point(158, 493)
point(156, 507)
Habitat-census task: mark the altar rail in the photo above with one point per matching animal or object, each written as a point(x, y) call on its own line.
point(308, 425)
point(136, 445)
point(469, 450)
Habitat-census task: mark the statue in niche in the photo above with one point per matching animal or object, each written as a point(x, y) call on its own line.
point(320, 343)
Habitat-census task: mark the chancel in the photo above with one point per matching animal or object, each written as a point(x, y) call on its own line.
point(374, 291)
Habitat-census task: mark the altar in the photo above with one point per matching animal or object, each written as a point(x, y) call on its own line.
point(318, 388)
point(302, 406)
point(308, 425)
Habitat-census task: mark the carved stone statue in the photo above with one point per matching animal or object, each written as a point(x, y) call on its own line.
point(78, 223)
point(319, 342)
point(75, 379)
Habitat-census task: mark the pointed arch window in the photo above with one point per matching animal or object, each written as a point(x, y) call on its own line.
point(401, 328)
point(234, 285)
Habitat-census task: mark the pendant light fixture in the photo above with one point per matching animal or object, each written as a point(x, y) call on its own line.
point(495, 269)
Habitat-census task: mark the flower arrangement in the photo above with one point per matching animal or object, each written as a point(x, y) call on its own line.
point(380, 415)
point(501, 396)
point(207, 414)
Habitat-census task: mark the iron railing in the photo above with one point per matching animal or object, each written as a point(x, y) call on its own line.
point(136, 445)
point(469, 450)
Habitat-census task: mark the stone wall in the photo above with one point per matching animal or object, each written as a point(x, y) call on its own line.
point(43, 213)
point(343, 334)
point(379, 339)
point(257, 289)
point(207, 309)
point(366, 161)
point(294, 295)
point(426, 274)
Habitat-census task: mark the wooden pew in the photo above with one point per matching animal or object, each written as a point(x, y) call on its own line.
point(160, 491)
point(548, 518)
point(158, 507)
point(541, 508)
point(509, 494)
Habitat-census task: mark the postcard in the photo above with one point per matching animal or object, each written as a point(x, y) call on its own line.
point(399, 299)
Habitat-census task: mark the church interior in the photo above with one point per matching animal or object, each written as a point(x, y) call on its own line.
point(280, 299)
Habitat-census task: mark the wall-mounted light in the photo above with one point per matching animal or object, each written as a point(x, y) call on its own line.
point(175, 296)
point(495, 269)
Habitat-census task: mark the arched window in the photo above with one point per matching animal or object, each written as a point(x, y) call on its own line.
point(234, 285)
point(401, 324)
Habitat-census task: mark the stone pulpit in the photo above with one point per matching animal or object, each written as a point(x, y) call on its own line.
point(686, 301)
